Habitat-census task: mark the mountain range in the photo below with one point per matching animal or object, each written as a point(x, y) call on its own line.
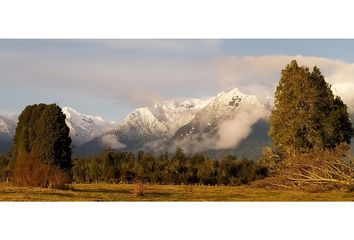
point(148, 125)
point(215, 126)
point(229, 123)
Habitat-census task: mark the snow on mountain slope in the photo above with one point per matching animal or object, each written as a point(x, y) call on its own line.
point(84, 128)
point(223, 123)
point(7, 126)
point(7, 130)
point(160, 121)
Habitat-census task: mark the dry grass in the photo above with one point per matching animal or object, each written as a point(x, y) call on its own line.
point(123, 192)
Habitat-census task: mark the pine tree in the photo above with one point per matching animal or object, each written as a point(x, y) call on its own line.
point(307, 115)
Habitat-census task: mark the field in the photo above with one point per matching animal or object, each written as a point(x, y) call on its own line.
point(125, 192)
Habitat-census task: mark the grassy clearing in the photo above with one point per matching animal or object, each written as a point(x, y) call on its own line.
point(125, 192)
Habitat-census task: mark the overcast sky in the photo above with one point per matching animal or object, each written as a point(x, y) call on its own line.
point(110, 78)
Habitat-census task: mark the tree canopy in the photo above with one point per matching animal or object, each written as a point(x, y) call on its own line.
point(307, 115)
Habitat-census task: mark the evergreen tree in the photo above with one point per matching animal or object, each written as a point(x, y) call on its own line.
point(42, 132)
point(306, 114)
point(109, 170)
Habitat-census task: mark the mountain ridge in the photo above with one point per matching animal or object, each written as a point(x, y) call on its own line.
point(84, 128)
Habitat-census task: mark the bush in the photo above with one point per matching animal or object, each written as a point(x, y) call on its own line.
point(271, 159)
point(31, 172)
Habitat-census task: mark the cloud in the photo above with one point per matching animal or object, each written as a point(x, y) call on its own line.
point(232, 132)
point(133, 82)
point(260, 75)
point(139, 73)
point(111, 140)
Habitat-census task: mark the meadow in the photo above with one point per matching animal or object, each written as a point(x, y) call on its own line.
point(128, 192)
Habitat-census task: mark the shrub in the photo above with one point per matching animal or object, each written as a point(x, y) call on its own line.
point(31, 172)
point(4, 167)
point(139, 187)
point(271, 159)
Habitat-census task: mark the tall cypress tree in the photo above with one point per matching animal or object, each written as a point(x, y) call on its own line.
point(307, 115)
point(42, 132)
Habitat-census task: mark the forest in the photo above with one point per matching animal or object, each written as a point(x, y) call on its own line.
point(125, 167)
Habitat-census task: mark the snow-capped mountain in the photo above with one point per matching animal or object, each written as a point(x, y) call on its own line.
point(84, 128)
point(148, 124)
point(7, 130)
point(158, 122)
point(224, 123)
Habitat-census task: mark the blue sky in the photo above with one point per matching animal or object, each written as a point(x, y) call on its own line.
point(110, 78)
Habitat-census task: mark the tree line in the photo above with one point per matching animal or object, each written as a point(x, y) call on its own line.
point(179, 168)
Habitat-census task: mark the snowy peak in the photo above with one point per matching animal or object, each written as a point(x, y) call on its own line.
point(233, 98)
point(226, 120)
point(84, 128)
point(226, 104)
point(7, 126)
point(163, 118)
point(175, 114)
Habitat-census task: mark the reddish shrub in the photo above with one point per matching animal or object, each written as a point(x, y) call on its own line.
point(31, 172)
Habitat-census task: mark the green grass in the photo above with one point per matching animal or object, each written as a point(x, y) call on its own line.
point(125, 192)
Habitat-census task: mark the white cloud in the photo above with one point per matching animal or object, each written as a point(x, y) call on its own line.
point(135, 82)
point(140, 82)
point(260, 75)
point(232, 132)
point(111, 140)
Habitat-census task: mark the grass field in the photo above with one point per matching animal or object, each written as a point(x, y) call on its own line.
point(125, 192)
